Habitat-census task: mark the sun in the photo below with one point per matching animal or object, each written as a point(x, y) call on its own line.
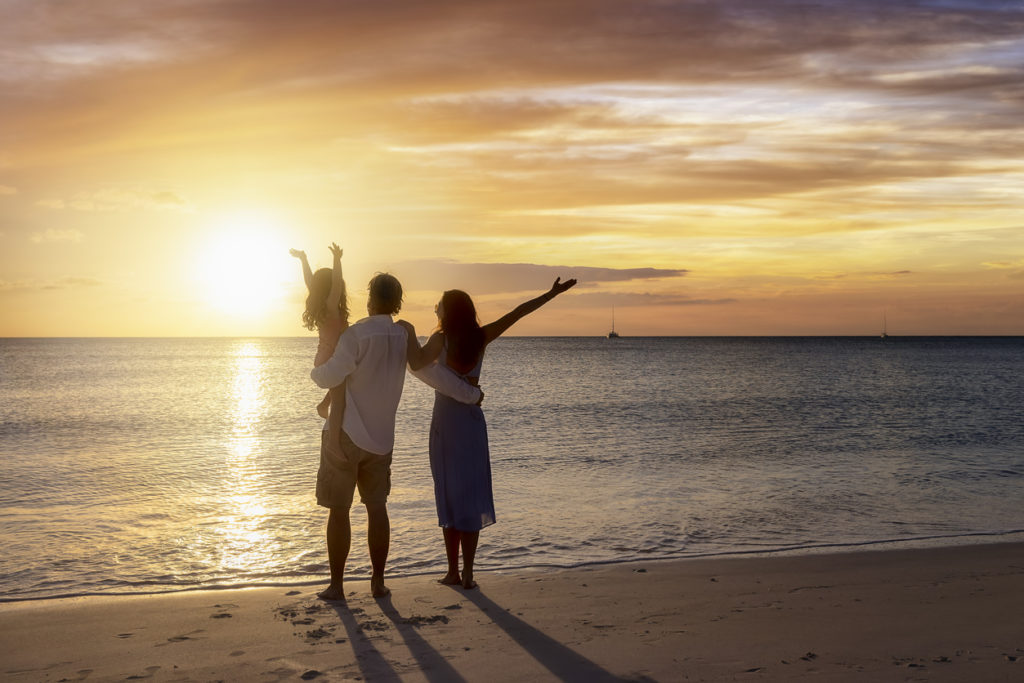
point(243, 267)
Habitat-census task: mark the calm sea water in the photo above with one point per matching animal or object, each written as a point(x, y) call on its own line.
point(132, 465)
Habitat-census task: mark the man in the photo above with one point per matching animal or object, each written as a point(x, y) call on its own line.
point(370, 359)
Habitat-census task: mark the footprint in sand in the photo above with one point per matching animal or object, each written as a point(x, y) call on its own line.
point(420, 621)
point(223, 613)
point(185, 636)
point(150, 670)
point(281, 672)
point(374, 625)
point(317, 633)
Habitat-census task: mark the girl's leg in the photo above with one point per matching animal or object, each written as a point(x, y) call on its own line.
point(323, 408)
point(451, 549)
point(469, 542)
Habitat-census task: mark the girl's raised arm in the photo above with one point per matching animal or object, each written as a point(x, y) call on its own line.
point(337, 292)
point(494, 330)
point(307, 274)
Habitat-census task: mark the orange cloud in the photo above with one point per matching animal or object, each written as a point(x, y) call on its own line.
point(765, 144)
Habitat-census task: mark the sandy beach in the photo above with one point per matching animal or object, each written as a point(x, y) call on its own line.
point(949, 614)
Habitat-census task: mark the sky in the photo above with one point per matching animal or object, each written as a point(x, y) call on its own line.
point(730, 167)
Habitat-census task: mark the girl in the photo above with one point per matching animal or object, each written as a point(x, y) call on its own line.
point(459, 457)
point(327, 313)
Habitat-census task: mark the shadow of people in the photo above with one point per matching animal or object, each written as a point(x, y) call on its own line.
point(373, 665)
point(432, 663)
point(561, 661)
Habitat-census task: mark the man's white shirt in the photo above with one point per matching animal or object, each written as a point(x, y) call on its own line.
point(371, 355)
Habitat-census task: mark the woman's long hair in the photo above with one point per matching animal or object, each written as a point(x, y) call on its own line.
point(462, 330)
point(316, 303)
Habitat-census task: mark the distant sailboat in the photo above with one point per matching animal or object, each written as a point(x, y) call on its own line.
point(613, 334)
point(885, 328)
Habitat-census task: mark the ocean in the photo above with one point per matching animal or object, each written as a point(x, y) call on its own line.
point(153, 465)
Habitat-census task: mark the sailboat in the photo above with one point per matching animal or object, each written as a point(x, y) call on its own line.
point(885, 328)
point(613, 334)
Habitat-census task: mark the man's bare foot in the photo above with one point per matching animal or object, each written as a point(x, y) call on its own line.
point(323, 409)
point(467, 581)
point(332, 592)
point(451, 579)
point(378, 588)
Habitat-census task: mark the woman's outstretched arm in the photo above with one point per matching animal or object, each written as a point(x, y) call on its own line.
point(307, 274)
point(420, 356)
point(494, 330)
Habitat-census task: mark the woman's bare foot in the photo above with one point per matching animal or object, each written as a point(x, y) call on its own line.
point(467, 581)
point(451, 579)
point(378, 588)
point(332, 592)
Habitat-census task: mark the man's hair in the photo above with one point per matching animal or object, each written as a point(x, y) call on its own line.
point(386, 293)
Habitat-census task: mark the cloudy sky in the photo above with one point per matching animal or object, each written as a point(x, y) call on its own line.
point(704, 167)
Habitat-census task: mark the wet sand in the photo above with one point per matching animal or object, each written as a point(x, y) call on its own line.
point(950, 614)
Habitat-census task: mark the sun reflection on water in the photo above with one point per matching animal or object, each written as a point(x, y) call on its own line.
point(247, 543)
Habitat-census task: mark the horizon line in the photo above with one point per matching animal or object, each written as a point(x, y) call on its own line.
point(566, 336)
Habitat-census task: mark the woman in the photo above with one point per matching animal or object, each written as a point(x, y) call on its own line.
point(459, 458)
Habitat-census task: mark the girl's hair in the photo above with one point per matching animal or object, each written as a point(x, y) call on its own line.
point(316, 303)
point(462, 330)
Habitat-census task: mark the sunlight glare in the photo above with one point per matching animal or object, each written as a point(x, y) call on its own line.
point(243, 267)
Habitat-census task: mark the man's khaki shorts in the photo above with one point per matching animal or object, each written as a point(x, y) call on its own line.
point(341, 471)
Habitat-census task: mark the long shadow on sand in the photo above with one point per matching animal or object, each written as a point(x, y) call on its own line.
point(373, 665)
point(432, 663)
point(561, 661)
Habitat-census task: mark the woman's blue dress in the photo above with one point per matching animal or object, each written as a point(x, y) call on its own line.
point(460, 463)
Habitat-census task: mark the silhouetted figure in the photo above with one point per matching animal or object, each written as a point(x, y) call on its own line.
point(459, 457)
point(370, 359)
point(327, 313)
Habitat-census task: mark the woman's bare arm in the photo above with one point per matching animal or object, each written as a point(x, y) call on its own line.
point(494, 330)
point(421, 356)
